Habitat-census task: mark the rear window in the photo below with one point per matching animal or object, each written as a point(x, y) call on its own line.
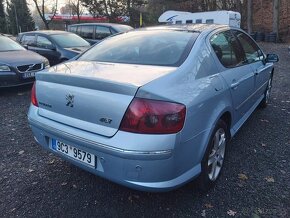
point(28, 40)
point(163, 48)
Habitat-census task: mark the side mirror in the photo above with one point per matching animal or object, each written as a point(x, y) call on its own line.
point(272, 58)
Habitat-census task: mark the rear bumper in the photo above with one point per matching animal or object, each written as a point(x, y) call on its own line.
point(146, 170)
point(12, 79)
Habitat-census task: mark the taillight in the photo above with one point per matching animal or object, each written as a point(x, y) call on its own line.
point(153, 117)
point(33, 96)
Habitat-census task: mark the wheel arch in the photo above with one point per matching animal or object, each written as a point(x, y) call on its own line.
point(227, 118)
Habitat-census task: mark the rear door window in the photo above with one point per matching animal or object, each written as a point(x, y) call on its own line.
point(227, 49)
point(43, 42)
point(102, 32)
point(87, 32)
point(28, 40)
point(252, 51)
point(113, 31)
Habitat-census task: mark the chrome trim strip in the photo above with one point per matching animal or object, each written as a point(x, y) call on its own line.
point(122, 151)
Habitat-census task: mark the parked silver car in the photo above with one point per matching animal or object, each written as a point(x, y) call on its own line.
point(153, 108)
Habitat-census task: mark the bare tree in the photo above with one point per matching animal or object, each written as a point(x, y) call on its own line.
point(276, 14)
point(112, 9)
point(250, 16)
point(77, 8)
point(41, 11)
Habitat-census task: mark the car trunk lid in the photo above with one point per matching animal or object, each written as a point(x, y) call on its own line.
point(91, 96)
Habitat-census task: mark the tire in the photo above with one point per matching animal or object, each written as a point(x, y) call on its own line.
point(213, 160)
point(264, 103)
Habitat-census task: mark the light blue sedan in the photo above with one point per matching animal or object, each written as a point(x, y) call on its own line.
point(153, 108)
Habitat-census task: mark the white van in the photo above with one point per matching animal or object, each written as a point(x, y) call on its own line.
point(230, 18)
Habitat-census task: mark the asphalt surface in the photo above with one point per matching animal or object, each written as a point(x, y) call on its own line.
point(255, 181)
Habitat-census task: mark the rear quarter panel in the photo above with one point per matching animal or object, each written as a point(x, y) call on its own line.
point(198, 85)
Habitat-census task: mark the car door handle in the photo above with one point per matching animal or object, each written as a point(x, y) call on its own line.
point(235, 85)
point(257, 72)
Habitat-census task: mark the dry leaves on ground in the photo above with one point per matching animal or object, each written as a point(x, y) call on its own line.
point(208, 206)
point(243, 176)
point(270, 179)
point(266, 121)
point(51, 162)
point(231, 212)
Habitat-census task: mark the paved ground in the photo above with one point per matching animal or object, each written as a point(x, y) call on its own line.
point(255, 181)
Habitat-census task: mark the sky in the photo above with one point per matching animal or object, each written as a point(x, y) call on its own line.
point(49, 3)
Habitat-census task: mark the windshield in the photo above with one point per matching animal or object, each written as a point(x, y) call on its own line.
point(69, 40)
point(7, 44)
point(162, 48)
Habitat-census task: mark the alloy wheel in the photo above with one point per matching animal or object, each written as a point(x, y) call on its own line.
point(217, 154)
point(268, 91)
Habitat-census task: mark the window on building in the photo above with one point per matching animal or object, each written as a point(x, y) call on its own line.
point(198, 21)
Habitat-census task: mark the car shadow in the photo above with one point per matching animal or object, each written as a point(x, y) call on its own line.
point(15, 90)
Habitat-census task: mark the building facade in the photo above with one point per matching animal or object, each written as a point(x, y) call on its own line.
point(263, 11)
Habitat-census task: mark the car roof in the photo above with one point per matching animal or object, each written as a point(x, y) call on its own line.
point(47, 32)
point(101, 24)
point(187, 27)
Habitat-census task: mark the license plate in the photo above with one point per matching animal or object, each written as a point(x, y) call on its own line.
point(73, 152)
point(28, 75)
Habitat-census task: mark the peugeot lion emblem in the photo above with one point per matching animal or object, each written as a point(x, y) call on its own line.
point(69, 100)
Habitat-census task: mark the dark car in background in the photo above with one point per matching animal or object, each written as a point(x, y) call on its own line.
point(56, 46)
point(95, 32)
point(17, 65)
